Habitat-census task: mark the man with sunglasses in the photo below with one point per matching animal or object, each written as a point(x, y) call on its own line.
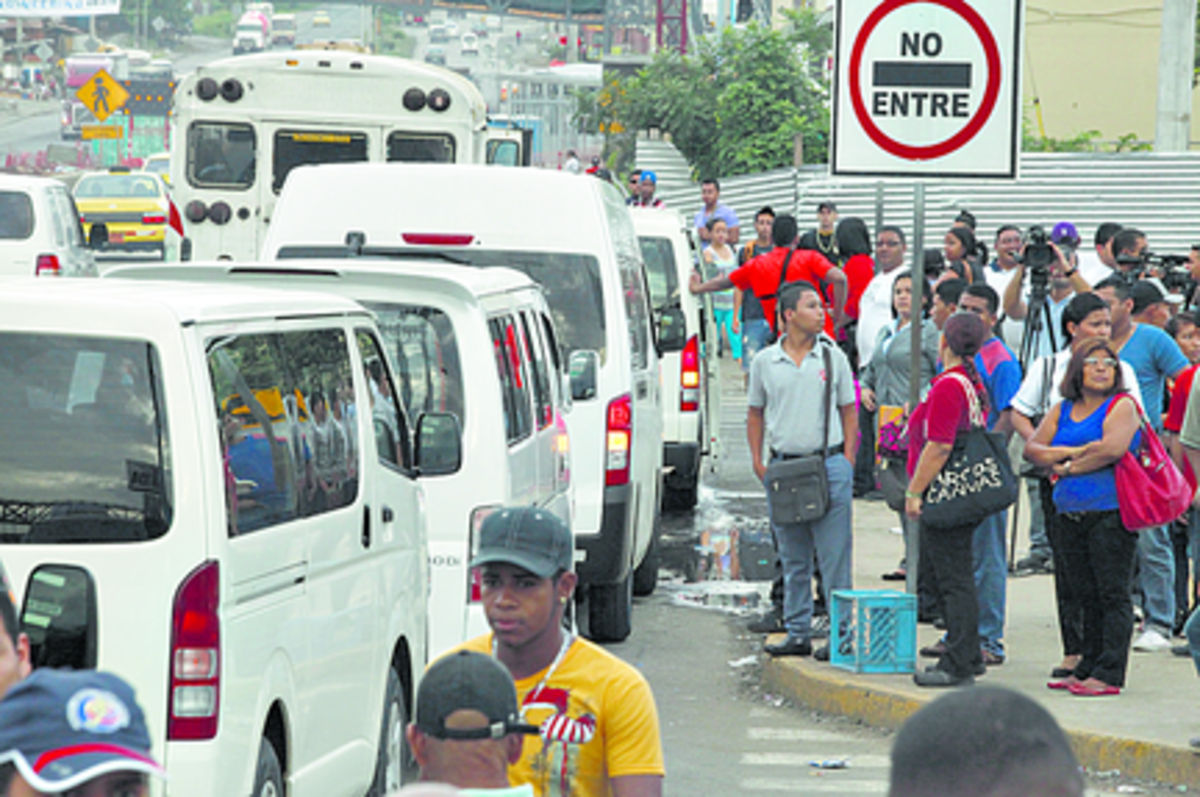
point(635, 180)
point(597, 724)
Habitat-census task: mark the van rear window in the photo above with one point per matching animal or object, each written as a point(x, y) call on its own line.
point(16, 215)
point(84, 453)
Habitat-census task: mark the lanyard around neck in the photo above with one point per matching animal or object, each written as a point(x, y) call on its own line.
point(537, 690)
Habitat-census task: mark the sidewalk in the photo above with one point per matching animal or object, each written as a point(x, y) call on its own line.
point(14, 109)
point(1143, 732)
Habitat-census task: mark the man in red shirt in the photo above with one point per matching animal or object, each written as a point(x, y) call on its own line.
point(761, 275)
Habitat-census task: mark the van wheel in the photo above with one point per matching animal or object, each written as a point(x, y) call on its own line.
point(394, 765)
point(610, 610)
point(645, 578)
point(268, 774)
point(681, 498)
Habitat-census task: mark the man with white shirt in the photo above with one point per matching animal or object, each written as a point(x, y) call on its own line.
point(1099, 264)
point(1000, 273)
point(874, 313)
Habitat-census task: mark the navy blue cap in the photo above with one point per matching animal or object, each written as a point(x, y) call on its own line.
point(62, 728)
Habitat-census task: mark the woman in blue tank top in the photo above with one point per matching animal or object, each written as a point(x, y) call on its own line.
point(1079, 441)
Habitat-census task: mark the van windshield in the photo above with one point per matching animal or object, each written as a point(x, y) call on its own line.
point(84, 456)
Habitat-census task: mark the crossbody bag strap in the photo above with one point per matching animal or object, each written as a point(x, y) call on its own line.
point(976, 410)
point(825, 404)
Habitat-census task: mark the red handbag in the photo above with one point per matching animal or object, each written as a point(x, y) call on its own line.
point(1150, 489)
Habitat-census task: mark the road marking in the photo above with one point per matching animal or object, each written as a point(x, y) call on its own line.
point(793, 735)
point(804, 759)
point(827, 782)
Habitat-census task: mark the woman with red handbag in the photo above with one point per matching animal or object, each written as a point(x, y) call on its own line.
point(1080, 440)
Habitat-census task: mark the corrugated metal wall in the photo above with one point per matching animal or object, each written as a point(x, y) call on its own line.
point(1158, 193)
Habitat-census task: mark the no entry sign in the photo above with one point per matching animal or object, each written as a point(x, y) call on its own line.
point(927, 87)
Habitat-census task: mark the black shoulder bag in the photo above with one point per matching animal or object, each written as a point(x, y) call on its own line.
point(798, 488)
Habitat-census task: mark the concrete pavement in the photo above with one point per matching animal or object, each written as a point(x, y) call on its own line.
point(1143, 732)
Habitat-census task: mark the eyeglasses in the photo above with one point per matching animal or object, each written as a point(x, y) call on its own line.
point(1107, 362)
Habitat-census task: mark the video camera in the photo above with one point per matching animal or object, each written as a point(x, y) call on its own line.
point(1037, 257)
point(1171, 269)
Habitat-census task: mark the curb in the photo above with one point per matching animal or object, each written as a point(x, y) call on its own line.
point(848, 695)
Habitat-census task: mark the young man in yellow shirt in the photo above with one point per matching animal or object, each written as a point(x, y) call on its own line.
point(598, 726)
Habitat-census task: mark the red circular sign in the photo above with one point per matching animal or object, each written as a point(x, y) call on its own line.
point(990, 93)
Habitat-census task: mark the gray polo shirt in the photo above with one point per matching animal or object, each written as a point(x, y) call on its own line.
point(791, 396)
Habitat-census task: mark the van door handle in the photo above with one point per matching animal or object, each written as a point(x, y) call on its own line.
point(388, 514)
point(366, 527)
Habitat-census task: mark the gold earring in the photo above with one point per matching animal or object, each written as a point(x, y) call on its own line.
point(563, 601)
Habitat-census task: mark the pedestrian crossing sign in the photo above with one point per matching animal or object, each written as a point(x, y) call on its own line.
point(102, 95)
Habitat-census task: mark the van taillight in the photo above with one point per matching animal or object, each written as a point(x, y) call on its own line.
point(48, 265)
point(474, 576)
point(157, 218)
point(436, 239)
point(195, 685)
point(689, 376)
point(618, 437)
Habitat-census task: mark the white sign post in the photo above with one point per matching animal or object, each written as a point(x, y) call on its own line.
point(927, 88)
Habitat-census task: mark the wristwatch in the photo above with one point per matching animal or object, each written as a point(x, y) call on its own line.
point(1071, 272)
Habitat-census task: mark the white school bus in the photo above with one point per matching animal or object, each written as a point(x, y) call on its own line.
point(242, 124)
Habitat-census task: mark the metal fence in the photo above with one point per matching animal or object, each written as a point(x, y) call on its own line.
point(1157, 193)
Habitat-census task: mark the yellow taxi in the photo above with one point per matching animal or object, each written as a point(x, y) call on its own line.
point(133, 205)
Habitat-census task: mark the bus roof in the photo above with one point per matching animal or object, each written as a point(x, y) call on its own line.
point(284, 82)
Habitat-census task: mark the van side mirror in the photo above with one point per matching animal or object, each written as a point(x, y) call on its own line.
point(59, 616)
point(584, 365)
point(98, 236)
point(672, 328)
point(439, 444)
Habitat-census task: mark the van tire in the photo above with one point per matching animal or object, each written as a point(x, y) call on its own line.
point(268, 774)
point(682, 498)
point(610, 610)
point(645, 578)
point(393, 744)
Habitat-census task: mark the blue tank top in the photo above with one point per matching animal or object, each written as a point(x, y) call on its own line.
point(1086, 492)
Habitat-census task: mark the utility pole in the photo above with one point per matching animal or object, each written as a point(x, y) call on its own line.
point(1176, 53)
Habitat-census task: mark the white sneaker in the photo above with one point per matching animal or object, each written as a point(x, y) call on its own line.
point(1151, 641)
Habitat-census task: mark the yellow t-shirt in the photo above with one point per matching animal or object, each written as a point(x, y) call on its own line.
point(597, 720)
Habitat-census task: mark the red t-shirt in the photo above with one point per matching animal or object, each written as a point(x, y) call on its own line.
point(1176, 411)
point(761, 276)
point(942, 415)
point(860, 269)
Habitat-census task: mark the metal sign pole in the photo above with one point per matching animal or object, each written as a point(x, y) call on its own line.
point(912, 541)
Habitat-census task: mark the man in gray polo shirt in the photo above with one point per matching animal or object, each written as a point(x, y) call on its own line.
point(786, 404)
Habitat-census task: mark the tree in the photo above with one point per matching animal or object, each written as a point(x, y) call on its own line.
point(735, 104)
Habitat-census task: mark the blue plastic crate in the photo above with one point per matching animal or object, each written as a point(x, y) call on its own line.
point(873, 631)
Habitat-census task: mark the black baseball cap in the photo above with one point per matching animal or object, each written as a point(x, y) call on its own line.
point(528, 537)
point(469, 681)
point(62, 728)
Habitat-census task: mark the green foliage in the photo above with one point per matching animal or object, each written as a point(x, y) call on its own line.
point(1081, 142)
point(732, 106)
point(218, 24)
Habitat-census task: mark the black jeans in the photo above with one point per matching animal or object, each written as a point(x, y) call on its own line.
point(864, 463)
point(952, 562)
point(1070, 610)
point(1098, 554)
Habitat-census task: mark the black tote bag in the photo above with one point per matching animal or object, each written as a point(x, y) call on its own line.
point(976, 481)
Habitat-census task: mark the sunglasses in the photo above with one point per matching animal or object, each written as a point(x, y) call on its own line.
point(1107, 362)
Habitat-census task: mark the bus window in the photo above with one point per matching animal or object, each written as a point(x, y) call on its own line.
point(220, 154)
point(420, 147)
point(504, 153)
point(299, 147)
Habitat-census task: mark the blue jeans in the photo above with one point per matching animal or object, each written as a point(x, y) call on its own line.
point(755, 334)
point(1191, 630)
point(991, 580)
point(1156, 560)
point(831, 539)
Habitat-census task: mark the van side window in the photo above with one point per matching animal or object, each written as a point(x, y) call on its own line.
point(390, 426)
point(513, 379)
point(536, 356)
point(424, 349)
point(633, 292)
point(286, 454)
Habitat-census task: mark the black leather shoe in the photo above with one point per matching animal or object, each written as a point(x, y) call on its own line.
point(790, 646)
point(934, 651)
point(769, 623)
point(941, 678)
point(821, 653)
point(980, 668)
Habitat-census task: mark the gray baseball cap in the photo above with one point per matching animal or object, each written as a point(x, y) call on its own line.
point(528, 537)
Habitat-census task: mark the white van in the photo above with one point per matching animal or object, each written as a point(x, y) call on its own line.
point(213, 493)
point(572, 235)
point(477, 343)
point(40, 233)
point(691, 392)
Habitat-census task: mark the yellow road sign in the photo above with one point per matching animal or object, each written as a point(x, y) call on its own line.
point(102, 95)
point(88, 132)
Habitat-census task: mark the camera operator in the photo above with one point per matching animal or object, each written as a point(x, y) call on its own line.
point(1192, 293)
point(1100, 264)
point(1053, 275)
point(999, 275)
point(1128, 247)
